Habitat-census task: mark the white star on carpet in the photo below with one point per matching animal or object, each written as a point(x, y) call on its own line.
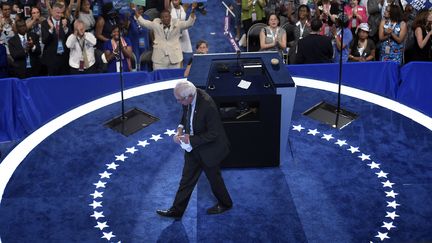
point(387, 184)
point(391, 215)
point(381, 174)
point(100, 184)
point(392, 204)
point(327, 137)
point(388, 226)
point(143, 143)
point(112, 166)
point(298, 128)
point(364, 157)
point(382, 236)
point(341, 143)
point(108, 236)
point(374, 165)
point(170, 132)
point(97, 215)
point(313, 132)
point(95, 204)
point(96, 194)
point(105, 175)
point(354, 149)
point(156, 137)
point(101, 226)
point(131, 150)
point(121, 157)
point(391, 194)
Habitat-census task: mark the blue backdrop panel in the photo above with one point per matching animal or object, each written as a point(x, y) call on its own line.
point(416, 86)
point(7, 122)
point(378, 77)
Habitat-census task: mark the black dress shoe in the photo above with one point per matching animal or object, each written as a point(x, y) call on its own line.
point(218, 208)
point(169, 213)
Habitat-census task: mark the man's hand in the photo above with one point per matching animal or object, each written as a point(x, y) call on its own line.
point(176, 138)
point(185, 138)
point(50, 23)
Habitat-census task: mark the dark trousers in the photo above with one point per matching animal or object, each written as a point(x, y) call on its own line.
point(192, 169)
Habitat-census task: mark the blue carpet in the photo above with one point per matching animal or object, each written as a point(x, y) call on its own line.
point(324, 193)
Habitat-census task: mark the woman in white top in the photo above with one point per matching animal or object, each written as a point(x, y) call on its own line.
point(178, 12)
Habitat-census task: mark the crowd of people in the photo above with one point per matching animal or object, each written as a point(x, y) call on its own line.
point(43, 37)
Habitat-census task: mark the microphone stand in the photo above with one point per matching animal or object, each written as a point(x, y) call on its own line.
point(134, 119)
point(327, 113)
point(123, 117)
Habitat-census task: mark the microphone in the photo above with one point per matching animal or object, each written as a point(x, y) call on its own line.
point(238, 71)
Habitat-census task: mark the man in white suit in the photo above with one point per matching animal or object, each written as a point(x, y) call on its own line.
point(167, 52)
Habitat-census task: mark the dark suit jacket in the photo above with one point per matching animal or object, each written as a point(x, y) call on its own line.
point(209, 139)
point(314, 49)
point(49, 56)
point(20, 57)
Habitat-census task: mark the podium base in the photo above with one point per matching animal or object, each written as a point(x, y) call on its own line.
point(327, 114)
point(132, 121)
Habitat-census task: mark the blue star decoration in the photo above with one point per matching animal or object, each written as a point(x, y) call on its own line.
point(103, 179)
point(375, 167)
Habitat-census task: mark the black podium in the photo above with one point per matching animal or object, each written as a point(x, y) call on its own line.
point(255, 118)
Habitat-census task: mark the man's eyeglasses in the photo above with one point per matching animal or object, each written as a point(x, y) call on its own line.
point(182, 99)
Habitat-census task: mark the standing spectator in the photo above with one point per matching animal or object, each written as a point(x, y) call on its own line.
point(85, 14)
point(139, 36)
point(34, 24)
point(327, 12)
point(7, 25)
point(362, 48)
point(356, 15)
point(252, 12)
point(55, 31)
point(201, 48)
point(392, 34)
point(374, 11)
point(235, 6)
point(301, 30)
point(116, 54)
point(314, 48)
point(178, 13)
point(25, 50)
point(273, 37)
point(81, 45)
point(422, 35)
point(339, 44)
point(167, 52)
point(105, 24)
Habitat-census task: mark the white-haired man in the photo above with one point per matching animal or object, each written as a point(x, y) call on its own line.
point(202, 134)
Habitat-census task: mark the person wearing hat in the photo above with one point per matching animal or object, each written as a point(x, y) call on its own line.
point(341, 44)
point(362, 48)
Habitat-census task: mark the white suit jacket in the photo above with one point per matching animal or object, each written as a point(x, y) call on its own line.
point(167, 44)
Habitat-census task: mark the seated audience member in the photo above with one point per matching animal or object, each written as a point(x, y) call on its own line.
point(201, 48)
point(362, 48)
point(25, 50)
point(167, 52)
point(273, 37)
point(392, 33)
point(314, 48)
point(115, 54)
point(81, 45)
point(55, 31)
point(339, 45)
point(85, 14)
point(422, 27)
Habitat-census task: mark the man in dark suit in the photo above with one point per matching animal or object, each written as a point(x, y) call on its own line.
point(55, 31)
point(314, 48)
point(206, 145)
point(25, 50)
